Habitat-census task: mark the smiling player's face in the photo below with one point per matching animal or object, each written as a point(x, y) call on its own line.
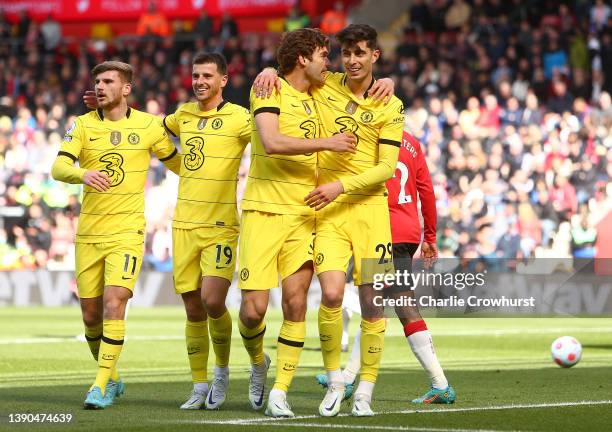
point(206, 81)
point(358, 59)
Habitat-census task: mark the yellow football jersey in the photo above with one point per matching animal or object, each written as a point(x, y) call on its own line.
point(279, 183)
point(372, 123)
point(212, 143)
point(122, 150)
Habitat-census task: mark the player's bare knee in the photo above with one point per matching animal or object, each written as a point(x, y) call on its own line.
point(332, 298)
point(294, 308)
point(195, 311)
point(114, 308)
point(251, 318)
point(92, 318)
point(215, 306)
point(251, 315)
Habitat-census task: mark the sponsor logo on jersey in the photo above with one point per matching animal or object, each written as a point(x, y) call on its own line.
point(310, 129)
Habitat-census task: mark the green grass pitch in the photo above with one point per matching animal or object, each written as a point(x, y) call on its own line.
point(500, 368)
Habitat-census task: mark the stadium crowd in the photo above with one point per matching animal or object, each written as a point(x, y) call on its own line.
point(510, 100)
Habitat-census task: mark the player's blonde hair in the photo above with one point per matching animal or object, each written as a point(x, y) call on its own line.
point(125, 70)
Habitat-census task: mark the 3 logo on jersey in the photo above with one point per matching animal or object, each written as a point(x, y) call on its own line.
point(195, 158)
point(113, 168)
point(348, 125)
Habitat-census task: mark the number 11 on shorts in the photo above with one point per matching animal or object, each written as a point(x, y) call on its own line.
point(129, 259)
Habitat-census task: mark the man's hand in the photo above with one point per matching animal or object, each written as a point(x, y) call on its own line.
point(382, 90)
point(342, 142)
point(89, 99)
point(323, 195)
point(97, 180)
point(265, 82)
point(429, 254)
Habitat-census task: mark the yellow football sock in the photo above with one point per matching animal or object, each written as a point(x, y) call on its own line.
point(372, 344)
point(110, 349)
point(196, 337)
point(330, 334)
point(289, 348)
point(93, 335)
point(221, 337)
point(253, 341)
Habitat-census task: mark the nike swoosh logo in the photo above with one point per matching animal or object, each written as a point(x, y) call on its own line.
point(331, 99)
point(93, 139)
point(331, 407)
point(220, 268)
point(259, 401)
point(123, 277)
point(295, 106)
point(210, 399)
point(276, 405)
point(185, 121)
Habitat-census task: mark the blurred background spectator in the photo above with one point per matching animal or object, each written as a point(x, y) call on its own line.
point(510, 100)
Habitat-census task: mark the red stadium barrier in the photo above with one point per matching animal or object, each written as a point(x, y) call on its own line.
point(122, 10)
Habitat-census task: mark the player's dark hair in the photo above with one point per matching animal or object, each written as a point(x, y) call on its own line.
point(301, 42)
point(211, 57)
point(125, 70)
point(355, 33)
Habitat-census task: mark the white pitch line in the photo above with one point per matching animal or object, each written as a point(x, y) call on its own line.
point(375, 427)
point(283, 421)
point(491, 332)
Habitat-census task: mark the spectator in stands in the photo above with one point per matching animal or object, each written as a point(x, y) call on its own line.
point(584, 236)
point(204, 26)
point(5, 27)
point(562, 100)
point(153, 22)
point(457, 15)
point(334, 19)
point(229, 28)
point(600, 12)
point(296, 19)
point(52, 33)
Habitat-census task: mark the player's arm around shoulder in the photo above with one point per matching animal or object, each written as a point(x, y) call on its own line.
point(164, 148)
point(266, 113)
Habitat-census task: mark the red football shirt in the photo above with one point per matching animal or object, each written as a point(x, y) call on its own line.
point(411, 177)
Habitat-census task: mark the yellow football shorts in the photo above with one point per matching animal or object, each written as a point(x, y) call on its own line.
point(359, 230)
point(272, 244)
point(102, 264)
point(204, 251)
